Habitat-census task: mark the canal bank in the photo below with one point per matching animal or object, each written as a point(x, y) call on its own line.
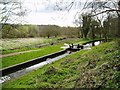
point(39, 62)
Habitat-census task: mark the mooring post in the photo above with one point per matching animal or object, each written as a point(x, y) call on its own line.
point(78, 46)
point(82, 47)
point(72, 45)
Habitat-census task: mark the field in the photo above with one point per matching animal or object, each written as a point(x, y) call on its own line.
point(22, 44)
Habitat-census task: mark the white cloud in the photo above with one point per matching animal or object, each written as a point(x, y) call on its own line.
point(42, 12)
point(58, 18)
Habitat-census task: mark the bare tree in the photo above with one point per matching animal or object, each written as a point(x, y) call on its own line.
point(86, 24)
point(96, 7)
point(11, 10)
point(109, 6)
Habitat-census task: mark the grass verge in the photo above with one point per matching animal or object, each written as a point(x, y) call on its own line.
point(12, 60)
point(15, 59)
point(95, 68)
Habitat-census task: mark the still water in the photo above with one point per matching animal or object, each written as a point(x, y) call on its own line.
point(89, 45)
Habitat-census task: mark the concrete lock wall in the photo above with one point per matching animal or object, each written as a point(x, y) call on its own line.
point(14, 68)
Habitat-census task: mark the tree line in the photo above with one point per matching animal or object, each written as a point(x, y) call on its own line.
point(96, 28)
point(25, 31)
point(89, 28)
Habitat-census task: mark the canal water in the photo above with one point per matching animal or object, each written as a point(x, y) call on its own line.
point(89, 45)
point(35, 67)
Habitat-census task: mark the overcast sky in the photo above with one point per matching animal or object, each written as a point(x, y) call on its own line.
point(43, 12)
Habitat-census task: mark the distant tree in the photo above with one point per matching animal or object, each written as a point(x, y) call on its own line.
point(46, 31)
point(33, 31)
point(86, 24)
point(106, 25)
point(94, 27)
point(6, 30)
point(111, 26)
point(55, 30)
point(114, 26)
point(23, 31)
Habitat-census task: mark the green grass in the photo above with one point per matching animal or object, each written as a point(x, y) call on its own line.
point(50, 70)
point(12, 60)
point(18, 50)
point(95, 68)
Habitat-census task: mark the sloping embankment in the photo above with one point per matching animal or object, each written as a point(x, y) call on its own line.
point(95, 68)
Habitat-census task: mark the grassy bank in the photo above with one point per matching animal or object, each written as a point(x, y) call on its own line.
point(98, 67)
point(15, 59)
point(12, 60)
